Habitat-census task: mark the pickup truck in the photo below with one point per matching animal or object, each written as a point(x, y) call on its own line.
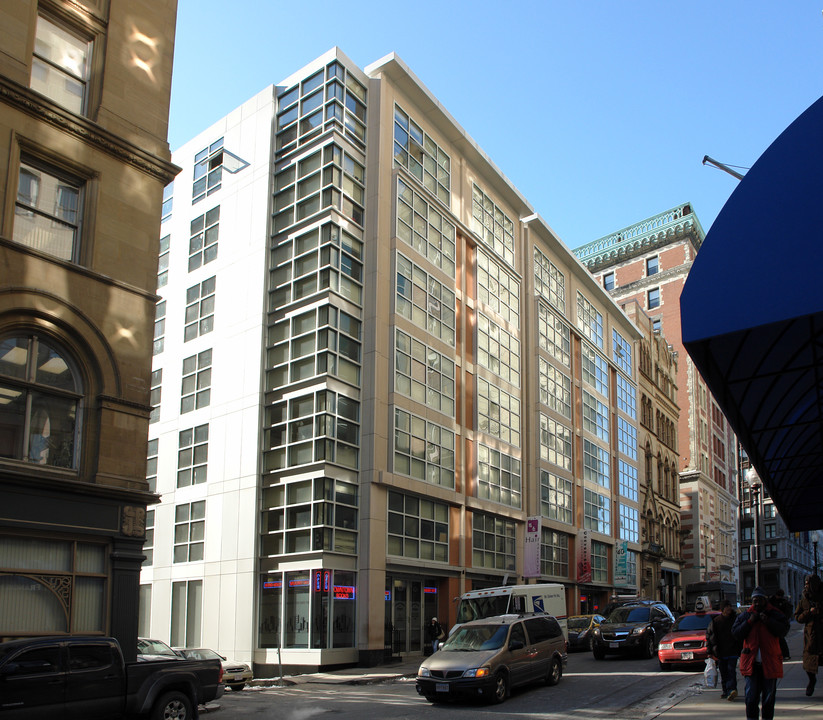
point(86, 677)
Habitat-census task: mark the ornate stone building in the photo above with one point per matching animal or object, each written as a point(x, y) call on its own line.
point(84, 102)
point(661, 561)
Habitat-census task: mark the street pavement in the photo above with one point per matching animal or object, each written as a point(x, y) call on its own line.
point(690, 700)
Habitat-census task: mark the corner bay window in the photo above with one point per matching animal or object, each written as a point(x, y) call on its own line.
point(40, 402)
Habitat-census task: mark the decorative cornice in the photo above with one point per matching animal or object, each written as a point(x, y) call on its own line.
point(638, 239)
point(85, 130)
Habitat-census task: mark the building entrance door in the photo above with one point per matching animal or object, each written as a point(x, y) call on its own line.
point(404, 619)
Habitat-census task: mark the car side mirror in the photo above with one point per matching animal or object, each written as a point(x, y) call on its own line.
point(516, 645)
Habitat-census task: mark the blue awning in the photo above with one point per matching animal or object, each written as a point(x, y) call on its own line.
point(752, 317)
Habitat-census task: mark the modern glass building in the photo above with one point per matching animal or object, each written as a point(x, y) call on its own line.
point(374, 363)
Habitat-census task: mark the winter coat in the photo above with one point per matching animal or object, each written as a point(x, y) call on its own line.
point(433, 631)
point(719, 639)
point(762, 635)
point(812, 633)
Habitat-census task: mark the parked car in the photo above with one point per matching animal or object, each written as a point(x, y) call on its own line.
point(86, 677)
point(634, 627)
point(581, 631)
point(487, 658)
point(148, 649)
point(686, 642)
point(235, 674)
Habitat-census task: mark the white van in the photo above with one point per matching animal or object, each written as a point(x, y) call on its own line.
point(512, 599)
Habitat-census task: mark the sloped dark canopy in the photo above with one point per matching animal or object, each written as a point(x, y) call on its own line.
point(752, 317)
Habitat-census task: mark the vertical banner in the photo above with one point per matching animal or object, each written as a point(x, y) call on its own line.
point(584, 556)
point(531, 554)
point(621, 565)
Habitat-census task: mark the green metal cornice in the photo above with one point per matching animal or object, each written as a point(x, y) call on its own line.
point(639, 238)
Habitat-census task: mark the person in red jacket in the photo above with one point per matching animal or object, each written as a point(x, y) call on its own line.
point(761, 660)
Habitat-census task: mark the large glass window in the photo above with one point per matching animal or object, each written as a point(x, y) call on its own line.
point(555, 442)
point(498, 350)
point(600, 562)
point(595, 416)
point(498, 477)
point(596, 464)
point(629, 523)
point(492, 225)
point(320, 260)
point(425, 228)
point(205, 230)
point(498, 412)
point(309, 515)
point(186, 613)
point(555, 389)
point(595, 369)
point(497, 289)
point(425, 301)
point(626, 396)
point(415, 151)
point(163, 262)
point(189, 531)
point(317, 427)
point(589, 320)
point(423, 374)
point(208, 171)
point(596, 512)
point(549, 281)
point(159, 328)
point(555, 335)
point(40, 402)
point(627, 480)
point(35, 569)
point(417, 527)
point(61, 63)
point(193, 456)
point(627, 438)
point(556, 497)
point(48, 213)
point(200, 300)
point(622, 353)
point(493, 542)
point(554, 553)
point(323, 340)
point(195, 392)
point(423, 450)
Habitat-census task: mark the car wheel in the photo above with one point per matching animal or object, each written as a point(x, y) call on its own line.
point(598, 653)
point(591, 643)
point(555, 672)
point(237, 687)
point(501, 687)
point(172, 705)
point(648, 647)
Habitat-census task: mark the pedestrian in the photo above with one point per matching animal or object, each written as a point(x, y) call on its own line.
point(781, 602)
point(761, 660)
point(435, 633)
point(808, 612)
point(724, 648)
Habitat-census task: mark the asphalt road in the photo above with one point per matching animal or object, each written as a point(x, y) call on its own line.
point(628, 688)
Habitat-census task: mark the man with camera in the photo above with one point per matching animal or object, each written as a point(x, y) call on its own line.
point(761, 660)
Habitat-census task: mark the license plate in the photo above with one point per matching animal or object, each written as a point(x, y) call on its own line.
point(614, 645)
point(441, 687)
point(687, 656)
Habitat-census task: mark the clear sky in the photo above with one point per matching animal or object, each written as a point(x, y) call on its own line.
point(598, 111)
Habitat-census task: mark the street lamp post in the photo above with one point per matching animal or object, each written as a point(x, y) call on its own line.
point(753, 481)
point(814, 538)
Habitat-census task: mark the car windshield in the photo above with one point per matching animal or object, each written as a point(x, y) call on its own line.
point(154, 647)
point(477, 637)
point(579, 623)
point(692, 622)
point(629, 614)
point(478, 608)
point(200, 654)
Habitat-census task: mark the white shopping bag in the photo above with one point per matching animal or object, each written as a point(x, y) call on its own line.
point(710, 673)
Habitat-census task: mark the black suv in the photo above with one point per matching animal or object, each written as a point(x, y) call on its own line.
point(634, 627)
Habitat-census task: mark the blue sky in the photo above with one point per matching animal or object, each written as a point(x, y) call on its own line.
point(599, 112)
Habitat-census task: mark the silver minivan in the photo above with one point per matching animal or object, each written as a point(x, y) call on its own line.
point(487, 658)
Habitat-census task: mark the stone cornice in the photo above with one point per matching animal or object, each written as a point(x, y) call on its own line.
point(85, 130)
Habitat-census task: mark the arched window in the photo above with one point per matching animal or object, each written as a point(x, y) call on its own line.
point(40, 402)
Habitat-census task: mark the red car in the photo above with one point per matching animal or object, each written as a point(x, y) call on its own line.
point(685, 643)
